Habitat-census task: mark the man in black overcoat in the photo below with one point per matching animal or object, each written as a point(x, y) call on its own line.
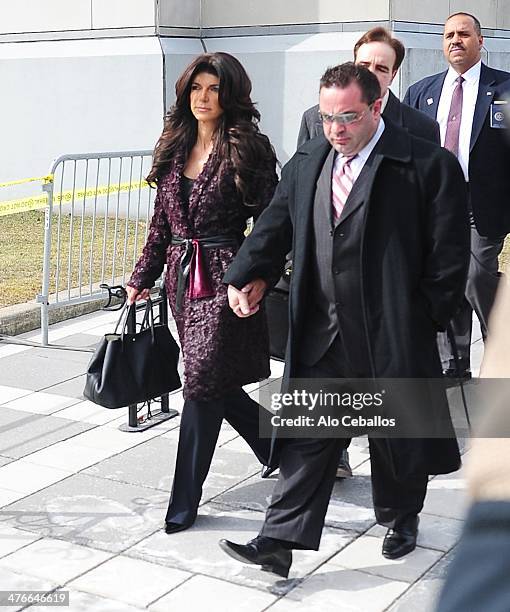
point(374, 278)
point(383, 55)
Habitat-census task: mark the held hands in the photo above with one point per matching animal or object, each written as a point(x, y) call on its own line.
point(246, 302)
point(134, 295)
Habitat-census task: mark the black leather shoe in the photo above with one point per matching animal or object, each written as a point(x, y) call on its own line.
point(454, 374)
point(269, 553)
point(401, 540)
point(176, 527)
point(343, 469)
point(268, 471)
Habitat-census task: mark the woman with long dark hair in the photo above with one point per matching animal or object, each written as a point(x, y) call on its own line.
point(213, 170)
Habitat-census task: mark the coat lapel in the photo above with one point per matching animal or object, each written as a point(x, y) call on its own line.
point(483, 102)
point(311, 161)
point(394, 144)
point(324, 183)
point(178, 210)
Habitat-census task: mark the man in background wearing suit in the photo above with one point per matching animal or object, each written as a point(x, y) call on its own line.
point(379, 228)
point(466, 101)
point(382, 54)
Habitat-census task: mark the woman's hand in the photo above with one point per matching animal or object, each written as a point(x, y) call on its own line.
point(134, 295)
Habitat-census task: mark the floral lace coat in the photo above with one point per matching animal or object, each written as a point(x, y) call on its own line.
point(220, 351)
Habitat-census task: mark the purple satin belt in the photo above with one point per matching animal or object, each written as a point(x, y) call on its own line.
point(193, 272)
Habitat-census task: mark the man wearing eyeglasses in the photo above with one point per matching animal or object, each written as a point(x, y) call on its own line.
point(382, 54)
point(378, 222)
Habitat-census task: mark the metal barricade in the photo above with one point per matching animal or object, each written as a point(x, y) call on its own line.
point(96, 220)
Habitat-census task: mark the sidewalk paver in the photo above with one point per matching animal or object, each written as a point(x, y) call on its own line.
point(53, 560)
point(332, 589)
point(213, 595)
point(141, 584)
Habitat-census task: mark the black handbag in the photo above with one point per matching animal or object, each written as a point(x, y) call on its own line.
point(130, 368)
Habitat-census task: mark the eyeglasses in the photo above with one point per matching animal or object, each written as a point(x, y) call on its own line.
point(343, 118)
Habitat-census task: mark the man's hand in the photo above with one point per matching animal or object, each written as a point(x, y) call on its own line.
point(246, 302)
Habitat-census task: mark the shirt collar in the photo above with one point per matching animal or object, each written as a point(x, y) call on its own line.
point(471, 76)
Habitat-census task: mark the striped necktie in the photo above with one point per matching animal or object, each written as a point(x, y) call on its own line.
point(341, 185)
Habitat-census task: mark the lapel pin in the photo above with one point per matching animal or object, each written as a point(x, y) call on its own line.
point(489, 93)
point(430, 101)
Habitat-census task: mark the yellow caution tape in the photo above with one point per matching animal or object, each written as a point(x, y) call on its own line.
point(23, 205)
point(66, 197)
point(45, 179)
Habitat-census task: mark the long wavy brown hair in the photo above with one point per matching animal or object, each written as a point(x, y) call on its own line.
point(237, 140)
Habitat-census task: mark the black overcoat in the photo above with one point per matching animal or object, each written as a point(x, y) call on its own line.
point(414, 256)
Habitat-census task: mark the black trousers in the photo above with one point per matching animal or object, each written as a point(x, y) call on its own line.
point(301, 495)
point(198, 434)
point(481, 288)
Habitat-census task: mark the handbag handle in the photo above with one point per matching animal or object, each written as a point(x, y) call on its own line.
point(147, 321)
point(148, 318)
point(123, 319)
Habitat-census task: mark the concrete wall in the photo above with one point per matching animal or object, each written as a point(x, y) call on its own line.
point(217, 13)
point(76, 97)
point(493, 14)
point(31, 16)
point(24, 16)
point(176, 13)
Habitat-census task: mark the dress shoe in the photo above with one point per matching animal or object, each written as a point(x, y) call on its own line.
point(343, 469)
point(176, 527)
point(268, 471)
point(455, 374)
point(401, 540)
point(267, 552)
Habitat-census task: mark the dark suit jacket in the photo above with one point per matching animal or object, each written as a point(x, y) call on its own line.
point(489, 157)
point(410, 262)
point(417, 123)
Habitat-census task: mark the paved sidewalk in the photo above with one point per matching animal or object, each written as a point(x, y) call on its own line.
point(82, 506)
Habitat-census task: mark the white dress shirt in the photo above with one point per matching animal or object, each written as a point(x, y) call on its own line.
point(469, 95)
point(359, 161)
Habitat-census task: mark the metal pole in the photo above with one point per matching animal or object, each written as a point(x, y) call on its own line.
point(133, 408)
point(163, 317)
point(45, 290)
